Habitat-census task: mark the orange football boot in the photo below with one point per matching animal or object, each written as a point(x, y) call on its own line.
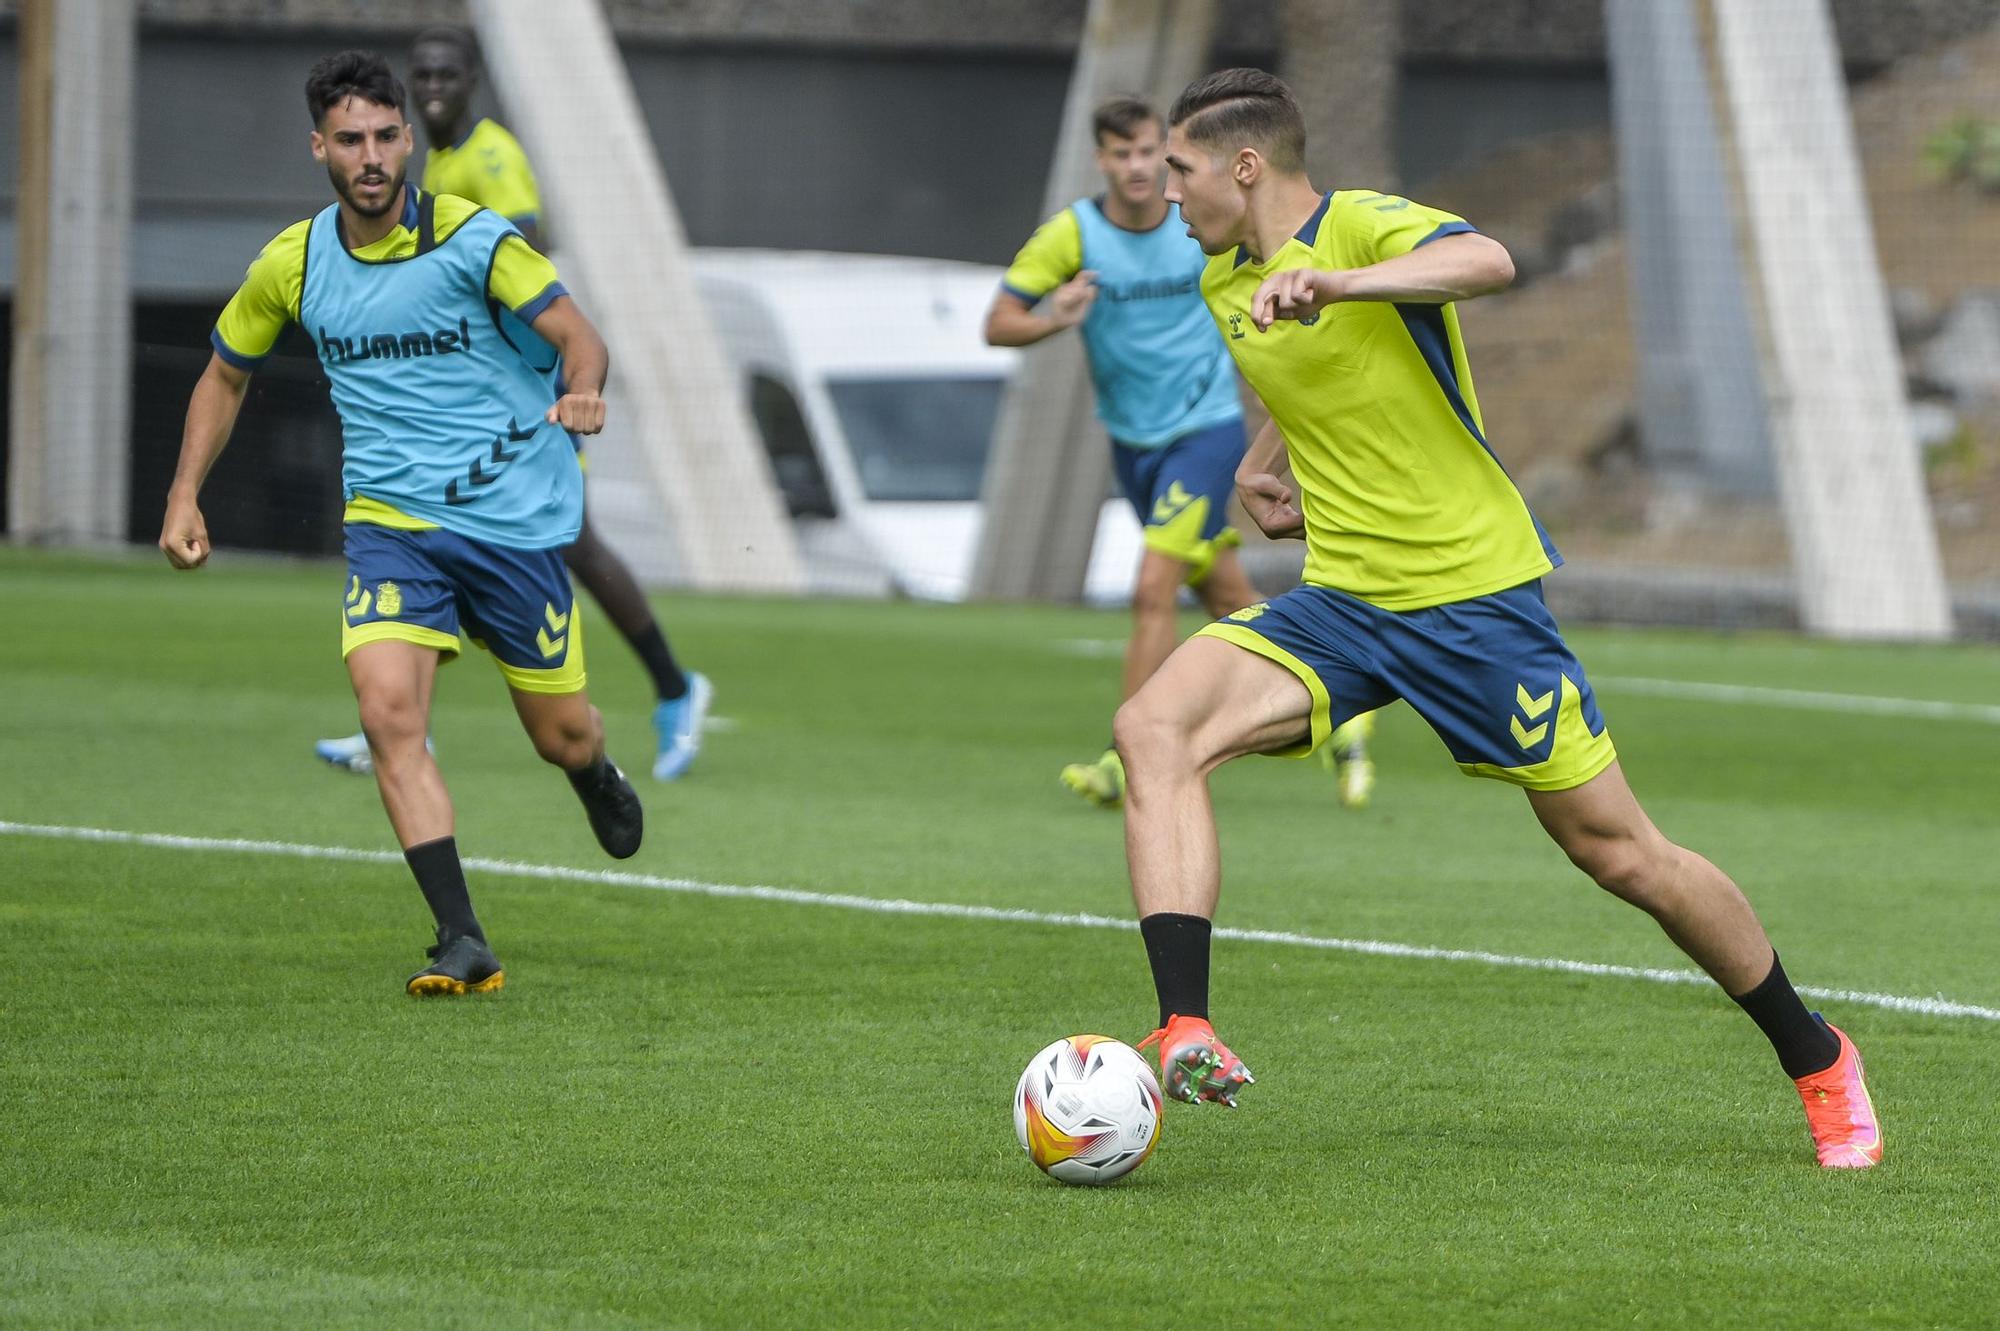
point(1194, 1065)
point(1845, 1130)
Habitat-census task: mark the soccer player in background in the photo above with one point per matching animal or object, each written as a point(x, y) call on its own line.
point(477, 159)
point(1423, 581)
point(1121, 269)
point(436, 323)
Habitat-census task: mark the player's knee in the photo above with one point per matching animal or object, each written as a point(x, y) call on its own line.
point(1156, 598)
point(392, 721)
point(1222, 596)
point(1147, 736)
point(568, 740)
point(1626, 867)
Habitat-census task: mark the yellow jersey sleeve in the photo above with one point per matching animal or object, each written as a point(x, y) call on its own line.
point(1052, 256)
point(491, 169)
point(250, 323)
point(520, 278)
point(523, 279)
point(1373, 227)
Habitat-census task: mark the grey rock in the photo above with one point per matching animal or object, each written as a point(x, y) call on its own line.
point(1963, 359)
point(1932, 424)
point(1917, 316)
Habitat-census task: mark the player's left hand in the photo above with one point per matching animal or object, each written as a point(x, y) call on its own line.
point(579, 413)
point(1272, 506)
point(1296, 293)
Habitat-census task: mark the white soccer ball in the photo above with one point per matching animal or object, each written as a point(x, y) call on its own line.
point(1087, 1110)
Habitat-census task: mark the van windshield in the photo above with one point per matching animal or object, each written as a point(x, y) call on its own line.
point(919, 439)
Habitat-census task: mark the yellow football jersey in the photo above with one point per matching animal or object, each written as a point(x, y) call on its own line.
point(488, 167)
point(1405, 504)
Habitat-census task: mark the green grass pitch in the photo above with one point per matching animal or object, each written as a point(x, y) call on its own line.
point(220, 1109)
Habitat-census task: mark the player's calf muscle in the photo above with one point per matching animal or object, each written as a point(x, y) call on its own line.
point(564, 728)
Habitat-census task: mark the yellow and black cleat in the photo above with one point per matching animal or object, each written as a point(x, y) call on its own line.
point(464, 965)
point(1345, 755)
point(1101, 782)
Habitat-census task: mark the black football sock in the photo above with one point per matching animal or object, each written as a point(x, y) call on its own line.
point(442, 880)
point(668, 681)
point(591, 782)
point(1803, 1042)
point(1177, 946)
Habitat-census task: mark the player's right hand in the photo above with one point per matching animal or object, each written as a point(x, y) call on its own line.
point(1070, 302)
point(579, 413)
point(1295, 293)
point(1271, 505)
point(184, 536)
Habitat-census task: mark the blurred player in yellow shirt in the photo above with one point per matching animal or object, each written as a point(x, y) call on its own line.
point(476, 158)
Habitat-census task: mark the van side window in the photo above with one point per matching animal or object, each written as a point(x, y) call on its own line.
point(789, 444)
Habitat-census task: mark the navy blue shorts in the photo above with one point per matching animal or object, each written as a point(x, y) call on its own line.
point(1492, 676)
point(1181, 492)
point(425, 586)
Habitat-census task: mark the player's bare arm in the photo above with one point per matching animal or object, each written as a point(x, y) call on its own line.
point(1263, 486)
point(211, 415)
point(1454, 268)
point(586, 361)
point(1010, 323)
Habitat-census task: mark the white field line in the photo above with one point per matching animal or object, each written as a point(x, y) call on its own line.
point(1929, 1007)
point(1751, 695)
point(1804, 699)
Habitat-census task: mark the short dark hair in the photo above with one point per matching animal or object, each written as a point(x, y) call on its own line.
point(1122, 115)
point(1233, 108)
point(462, 38)
point(360, 74)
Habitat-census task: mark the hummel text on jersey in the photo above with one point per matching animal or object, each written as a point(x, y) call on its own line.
point(393, 346)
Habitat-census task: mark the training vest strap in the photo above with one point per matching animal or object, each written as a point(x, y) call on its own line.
point(426, 222)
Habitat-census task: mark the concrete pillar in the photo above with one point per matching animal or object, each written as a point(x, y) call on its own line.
point(1863, 543)
point(70, 423)
point(571, 101)
point(1702, 408)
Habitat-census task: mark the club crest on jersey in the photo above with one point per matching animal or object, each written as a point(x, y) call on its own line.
point(1309, 321)
point(394, 346)
point(1236, 325)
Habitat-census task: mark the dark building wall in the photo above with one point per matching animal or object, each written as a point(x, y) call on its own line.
point(938, 155)
point(1872, 32)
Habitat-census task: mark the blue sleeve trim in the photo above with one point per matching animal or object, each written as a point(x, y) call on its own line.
point(1427, 329)
point(532, 311)
point(526, 219)
point(1028, 298)
point(1447, 229)
point(234, 357)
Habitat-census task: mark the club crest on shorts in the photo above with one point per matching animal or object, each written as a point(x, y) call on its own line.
point(1248, 612)
point(388, 600)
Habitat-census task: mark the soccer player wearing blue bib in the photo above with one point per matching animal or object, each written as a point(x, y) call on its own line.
point(1423, 581)
point(478, 159)
point(1121, 269)
point(437, 325)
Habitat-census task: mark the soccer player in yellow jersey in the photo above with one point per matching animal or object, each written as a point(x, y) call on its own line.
point(446, 342)
point(476, 158)
point(1422, 583)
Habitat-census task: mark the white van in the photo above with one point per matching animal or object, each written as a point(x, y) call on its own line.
point(872, 385)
